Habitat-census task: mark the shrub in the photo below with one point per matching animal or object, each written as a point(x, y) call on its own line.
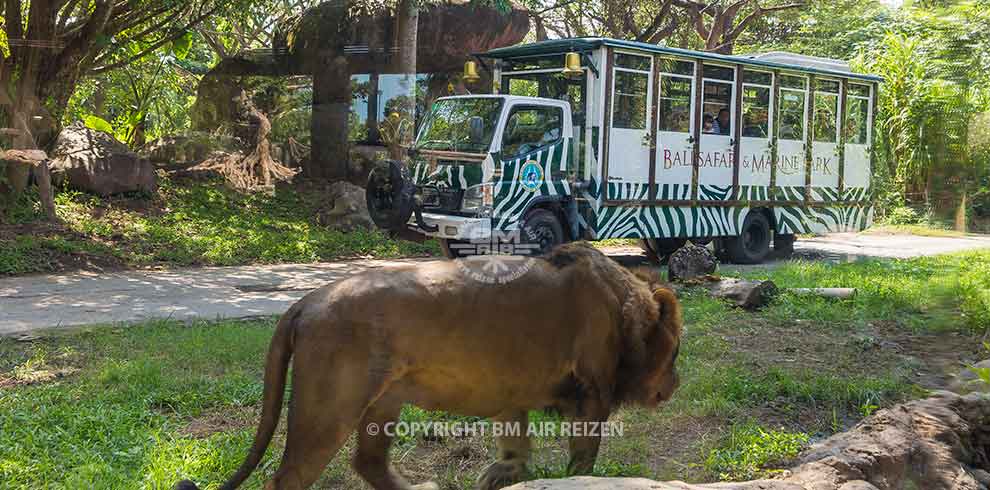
point(750, 448)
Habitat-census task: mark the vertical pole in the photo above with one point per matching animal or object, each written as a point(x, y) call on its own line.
point(809, 136)
point(843, 117)
point(654, 125)
point(737, 133)
point(774, 130)
point(607, 116)
point(699, 96)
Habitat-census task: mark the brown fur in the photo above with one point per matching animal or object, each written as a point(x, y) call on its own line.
point(577, 333)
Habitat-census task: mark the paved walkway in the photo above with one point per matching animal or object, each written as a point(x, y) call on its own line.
point(39, 302)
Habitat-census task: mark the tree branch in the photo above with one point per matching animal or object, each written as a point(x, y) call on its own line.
point(154, 46)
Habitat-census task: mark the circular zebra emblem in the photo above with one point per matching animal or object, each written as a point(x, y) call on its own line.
point(531, 176)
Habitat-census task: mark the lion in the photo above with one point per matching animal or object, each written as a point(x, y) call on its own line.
point(577, 333)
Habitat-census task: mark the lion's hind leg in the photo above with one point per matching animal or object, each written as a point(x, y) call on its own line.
point(324, 410)
point(371, 459)
point(513, 453)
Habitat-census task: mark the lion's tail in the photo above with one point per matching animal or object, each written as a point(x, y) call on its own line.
point(276, 367)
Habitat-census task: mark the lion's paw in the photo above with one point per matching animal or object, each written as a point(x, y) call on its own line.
point(426, 486)
point(501, 474)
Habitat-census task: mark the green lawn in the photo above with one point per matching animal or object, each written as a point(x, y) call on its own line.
point(187, 223)
point(142, 406)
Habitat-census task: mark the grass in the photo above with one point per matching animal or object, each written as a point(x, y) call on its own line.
point(915, 229)
point(143, 406)
point(195, 223)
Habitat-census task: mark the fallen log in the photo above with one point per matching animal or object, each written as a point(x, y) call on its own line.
point(835, 293)
point(743, 293)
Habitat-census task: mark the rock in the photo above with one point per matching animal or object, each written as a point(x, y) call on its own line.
point(689, 262)
point(17, 165)
point(938, 443)
point(93, 161)
point(967, 381)
point(346, 208)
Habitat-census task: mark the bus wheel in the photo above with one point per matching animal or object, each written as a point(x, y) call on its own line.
point(753, 243)
point(783, 245)
point(657, 249)
point(452, 249)
point(542, 231)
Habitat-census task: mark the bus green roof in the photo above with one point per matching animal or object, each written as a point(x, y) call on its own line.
point(560, 46)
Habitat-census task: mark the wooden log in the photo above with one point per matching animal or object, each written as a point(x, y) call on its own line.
point(743, 293)
point(835, 293)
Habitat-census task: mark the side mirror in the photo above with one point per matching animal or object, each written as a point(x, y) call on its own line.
point(477, 127)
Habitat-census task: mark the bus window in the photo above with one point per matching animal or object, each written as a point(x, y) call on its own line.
point(522, 87)
point(530, 128)
point(629, 110)
point(675, 104)
point(756, 111)
point(791, 114)
point(826, 111)
point(716, 104)
point(856, 129)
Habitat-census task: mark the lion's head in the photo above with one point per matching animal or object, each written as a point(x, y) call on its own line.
point(648, 369)
point(651, 326)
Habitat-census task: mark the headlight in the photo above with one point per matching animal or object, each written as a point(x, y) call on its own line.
point(478, 199)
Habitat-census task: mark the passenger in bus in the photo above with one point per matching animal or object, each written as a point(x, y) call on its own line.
point(722, 122)
point(708, 124)
point(755, 123)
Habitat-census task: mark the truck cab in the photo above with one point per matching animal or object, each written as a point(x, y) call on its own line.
point(483, 165)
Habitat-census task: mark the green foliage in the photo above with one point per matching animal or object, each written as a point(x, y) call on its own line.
point(201, 223)
point(935, 288)
point(97, 123)
point(749, 448)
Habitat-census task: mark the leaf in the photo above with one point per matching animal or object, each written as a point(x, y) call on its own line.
point(181, 45)
point(97, 123)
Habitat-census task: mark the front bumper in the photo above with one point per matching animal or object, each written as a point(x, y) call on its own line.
point(455, 227)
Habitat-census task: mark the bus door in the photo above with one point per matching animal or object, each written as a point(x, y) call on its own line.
point(791, 142)
point(825, 144)
point(675, 130)
point(858, 130)
point(718, 108)
point(629, 135)
point(757, 126)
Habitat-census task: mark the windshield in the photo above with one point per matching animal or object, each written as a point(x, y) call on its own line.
point(448, 126)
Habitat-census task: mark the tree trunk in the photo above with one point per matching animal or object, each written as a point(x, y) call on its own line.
point(331, 107)
point(961, 212)
point(407, 25)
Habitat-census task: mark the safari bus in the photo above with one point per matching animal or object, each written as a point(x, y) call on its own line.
point(596, 138)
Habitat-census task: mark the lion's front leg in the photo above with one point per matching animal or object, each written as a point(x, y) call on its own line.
point(513, 454)
point(583, 449)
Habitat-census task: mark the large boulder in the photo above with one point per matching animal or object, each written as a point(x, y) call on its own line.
point(93, 161)
point(939, 443)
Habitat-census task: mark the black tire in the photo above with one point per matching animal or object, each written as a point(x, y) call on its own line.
point(390, 195)
point(752, 246)
point(783, 245)
point(542, 229)
point(450, 248)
